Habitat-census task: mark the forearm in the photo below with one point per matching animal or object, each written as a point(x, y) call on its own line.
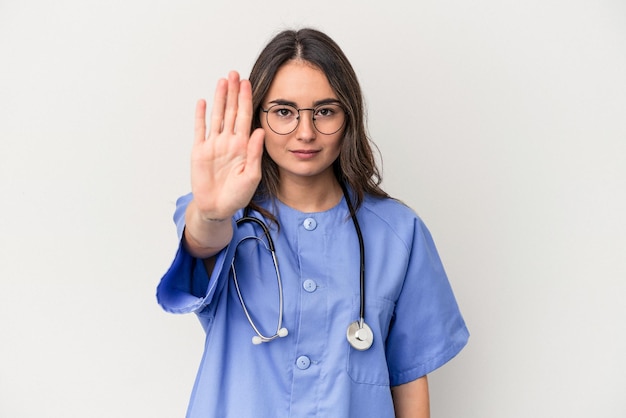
point(205, 235)
point(412, 400)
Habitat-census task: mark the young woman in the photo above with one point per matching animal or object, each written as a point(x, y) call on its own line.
point(320, 295)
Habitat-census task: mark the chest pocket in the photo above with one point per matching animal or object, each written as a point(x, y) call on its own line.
point(370, 366)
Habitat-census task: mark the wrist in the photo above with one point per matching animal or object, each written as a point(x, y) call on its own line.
point(207, 216)
point(214, 220)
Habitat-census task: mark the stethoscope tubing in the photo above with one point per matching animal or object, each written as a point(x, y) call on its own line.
point(280, 332)
point(359, 235)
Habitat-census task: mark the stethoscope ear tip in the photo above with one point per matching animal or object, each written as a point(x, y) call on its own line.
point(257, 339)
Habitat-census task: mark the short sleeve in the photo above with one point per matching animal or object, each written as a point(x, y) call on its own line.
point(427, 329)
point(186, 286)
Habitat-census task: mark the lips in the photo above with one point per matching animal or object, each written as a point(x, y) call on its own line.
point(305, 153)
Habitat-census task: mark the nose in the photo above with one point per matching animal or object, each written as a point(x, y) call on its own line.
point(306, 129)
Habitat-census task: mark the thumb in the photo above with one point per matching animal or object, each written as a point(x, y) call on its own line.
point(255, 149)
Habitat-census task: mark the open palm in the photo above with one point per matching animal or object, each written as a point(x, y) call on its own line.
point(226, 162)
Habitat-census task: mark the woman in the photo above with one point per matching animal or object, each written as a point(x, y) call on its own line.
point(356, 309)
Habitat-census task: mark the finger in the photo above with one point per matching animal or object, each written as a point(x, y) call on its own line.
point(217, 112)
point(232, 99)
point(244, 114)
point(200, 122)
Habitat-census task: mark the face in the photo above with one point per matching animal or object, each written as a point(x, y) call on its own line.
point(304, 153)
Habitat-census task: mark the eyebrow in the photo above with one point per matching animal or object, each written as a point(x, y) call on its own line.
point(315, 104)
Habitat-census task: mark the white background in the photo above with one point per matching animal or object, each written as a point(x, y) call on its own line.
point(502, 123)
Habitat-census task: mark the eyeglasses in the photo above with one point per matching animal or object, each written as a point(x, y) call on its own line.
point(283, 119)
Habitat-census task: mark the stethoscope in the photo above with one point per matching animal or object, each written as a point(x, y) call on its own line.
point(359, 334)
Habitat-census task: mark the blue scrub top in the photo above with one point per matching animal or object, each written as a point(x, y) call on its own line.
point(314, 372)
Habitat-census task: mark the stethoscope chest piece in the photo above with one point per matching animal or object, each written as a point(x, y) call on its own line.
point(360, 335)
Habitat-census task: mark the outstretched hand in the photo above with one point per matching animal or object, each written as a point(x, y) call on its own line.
point(226, 162)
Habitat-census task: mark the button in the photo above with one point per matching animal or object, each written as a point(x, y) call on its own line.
point(309, 224)
point(303, 362)
point(309, 285)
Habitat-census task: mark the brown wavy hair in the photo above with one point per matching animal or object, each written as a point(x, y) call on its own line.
point(356, 165)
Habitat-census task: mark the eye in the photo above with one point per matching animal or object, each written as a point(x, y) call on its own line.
point(283, 112)
point(327, 111)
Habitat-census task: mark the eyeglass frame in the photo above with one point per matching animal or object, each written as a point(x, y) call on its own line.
point(312, 109)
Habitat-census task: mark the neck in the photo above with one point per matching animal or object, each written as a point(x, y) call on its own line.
point(310, 196)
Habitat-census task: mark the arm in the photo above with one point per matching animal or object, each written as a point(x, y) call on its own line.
point(225, 167)
point(411, 399)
